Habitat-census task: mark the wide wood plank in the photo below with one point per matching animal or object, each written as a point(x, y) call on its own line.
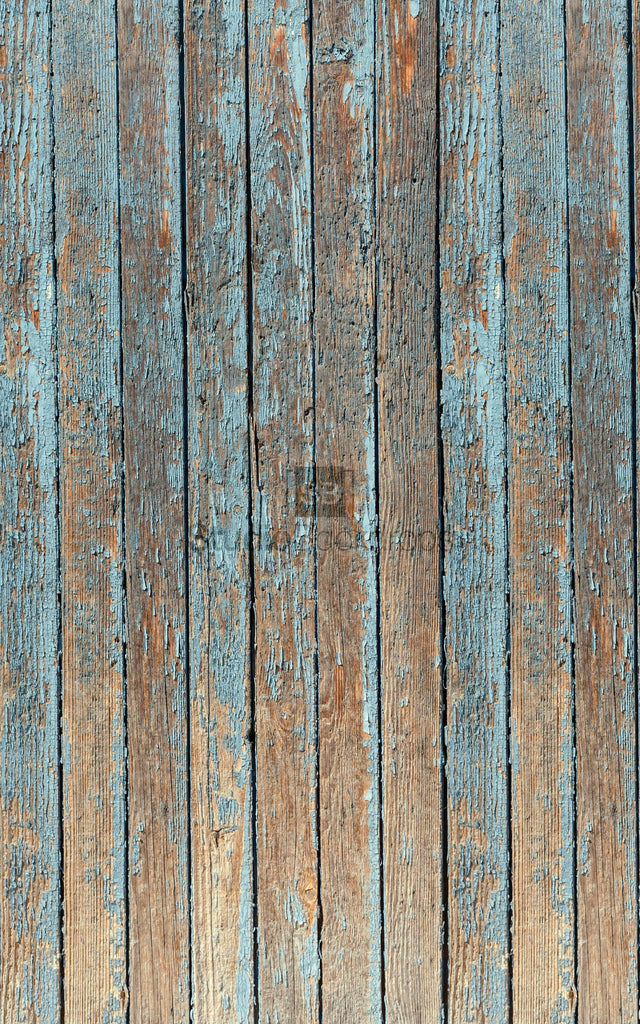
point(152, 311)
point(221, 792)
point(344, 190)
point(601, 343)
point(93, 721)
point(475, 579)
point(30, 941)
point(540, 548)
point(283, 529)
point(410, 585)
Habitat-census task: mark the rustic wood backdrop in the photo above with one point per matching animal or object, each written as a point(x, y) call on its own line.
point(318, 545)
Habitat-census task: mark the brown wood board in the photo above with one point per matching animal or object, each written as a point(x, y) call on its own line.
point(319, 547)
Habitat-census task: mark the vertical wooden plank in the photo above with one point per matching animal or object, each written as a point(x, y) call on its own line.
point(222, 813)
point(344, 190)
point(148, 39)
point(283, 529)
point(599, 219)
point(410, 627)
point(29, 743)
point(540, 556)
point(474, 442)
point(87, 240)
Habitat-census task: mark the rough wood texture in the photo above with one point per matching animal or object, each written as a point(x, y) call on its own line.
point(599, 212)
point(475, 572)
point(155, 517)
point(410, 618)
point(344, 189)
point(539, 438)
point(221, 801)
point(318, 262)
point(93, 740)
point(29, 741)
point(283, 529)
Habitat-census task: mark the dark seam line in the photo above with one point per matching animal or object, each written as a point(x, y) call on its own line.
point(185, 450)
point(123, 529)
point(508, 779)
point(252, 731)
point(574, 790)
point(634, 443)
point(377, 552)
point(59, 677)
point(320, 918)
point(444, 791)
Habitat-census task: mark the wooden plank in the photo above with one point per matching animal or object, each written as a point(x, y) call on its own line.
point(410, 585)
point(90, 430)
point(282, 472)
point(221, 796)
point(474, 441)
point(601, 340)
point(540, 539)
point(29, 744)
point(344, 190)
point(148, 32)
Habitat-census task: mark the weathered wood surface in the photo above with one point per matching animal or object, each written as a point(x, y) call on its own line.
point(282, 442)
point(149, 36)
point(91, 520)
point(346, 506)
point(603, 424)
point(318, 552)
point(218, 527)
point(475, 511)
point(540, 533)
point(30, 886)
point(409, 497)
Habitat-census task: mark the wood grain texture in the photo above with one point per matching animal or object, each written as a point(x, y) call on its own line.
point(29, 743)
point(540, 549)
point(148, 36)
point(410, 617)
point(599, 219)
point(221, 797)
point(344, 190)
point(283, 528)
point(90, 430)
point(475, 572)
point(317, 364)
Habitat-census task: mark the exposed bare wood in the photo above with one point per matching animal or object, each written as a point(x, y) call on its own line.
point(92, 550)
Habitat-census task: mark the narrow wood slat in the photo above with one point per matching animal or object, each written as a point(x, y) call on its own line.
point(154, 504)
point(344, 191)
point(599, 220)
point(282, 472)
point(29, 744)
point(475, 581)
point(410, 628)
point(221, 800)
point(90, 430)
point(539, 423)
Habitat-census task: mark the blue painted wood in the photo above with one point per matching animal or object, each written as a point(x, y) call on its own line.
point(154, 396)
point(605, 535)
point(398, 215)
point(349, 737)
point(30, 943)
point(475, 570)
point(410, 487)
point(91, 520)
point(282, 413)
point(540, 509)
point(219, 615)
